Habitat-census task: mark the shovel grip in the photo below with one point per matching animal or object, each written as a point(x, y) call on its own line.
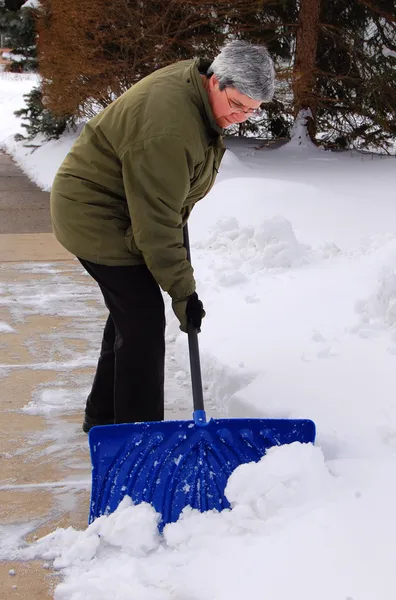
point(195, 363)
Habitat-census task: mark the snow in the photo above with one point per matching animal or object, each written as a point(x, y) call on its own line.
point(295, 258)
point(295, 527)
point(14, 57)
point(6, 328)
point(299, 137)
point(12, 89)
point(388, 52)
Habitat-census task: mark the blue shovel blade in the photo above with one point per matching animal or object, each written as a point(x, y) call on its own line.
point(174, 464)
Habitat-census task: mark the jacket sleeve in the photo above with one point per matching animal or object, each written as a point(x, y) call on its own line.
point(157, 174)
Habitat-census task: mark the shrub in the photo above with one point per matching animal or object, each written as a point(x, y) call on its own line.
point(40, 119)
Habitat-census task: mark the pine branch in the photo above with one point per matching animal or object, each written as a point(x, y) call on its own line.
point(389, 17)
point(390, 44)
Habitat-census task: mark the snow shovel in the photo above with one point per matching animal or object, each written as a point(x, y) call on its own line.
point(174, 464)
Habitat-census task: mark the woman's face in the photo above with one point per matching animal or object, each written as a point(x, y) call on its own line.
point(229, 106)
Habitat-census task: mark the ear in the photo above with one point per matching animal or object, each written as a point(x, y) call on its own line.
point(213, 82)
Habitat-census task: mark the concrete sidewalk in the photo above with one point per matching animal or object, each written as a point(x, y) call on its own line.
point(24, 208)
point(43, 456)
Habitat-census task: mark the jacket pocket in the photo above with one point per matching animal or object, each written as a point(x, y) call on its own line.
point(130, 242)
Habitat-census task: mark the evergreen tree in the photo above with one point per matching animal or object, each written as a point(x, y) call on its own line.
point(356, 77)
point(344, 66)
point(39, 120)
point(20, 29)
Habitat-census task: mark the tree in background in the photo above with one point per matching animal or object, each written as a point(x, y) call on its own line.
point(335, 58)
point(39, 120)
point(18, 22)
point(20, 28)
point(342, 55)
point(304, 71)
point(91, 52)
point(356, 73)
point(344, 71)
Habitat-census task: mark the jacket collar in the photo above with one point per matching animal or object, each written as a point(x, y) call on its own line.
point(199, 67)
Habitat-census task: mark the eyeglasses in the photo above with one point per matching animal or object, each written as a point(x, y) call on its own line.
point(239, 108)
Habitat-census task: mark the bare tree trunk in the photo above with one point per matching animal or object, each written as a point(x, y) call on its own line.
point(305, 63)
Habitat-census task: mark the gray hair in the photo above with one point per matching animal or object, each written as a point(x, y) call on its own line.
point(247, 68)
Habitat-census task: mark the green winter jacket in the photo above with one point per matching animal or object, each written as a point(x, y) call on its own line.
point(129, 183)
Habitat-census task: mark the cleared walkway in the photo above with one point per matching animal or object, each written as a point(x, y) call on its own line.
point(31, 452)
point(23, 206)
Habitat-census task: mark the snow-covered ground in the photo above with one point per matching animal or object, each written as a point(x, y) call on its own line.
point(295, 258)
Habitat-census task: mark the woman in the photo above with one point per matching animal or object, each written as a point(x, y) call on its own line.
point(119, 202)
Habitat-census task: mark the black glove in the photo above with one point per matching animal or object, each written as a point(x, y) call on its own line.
point(195, 311)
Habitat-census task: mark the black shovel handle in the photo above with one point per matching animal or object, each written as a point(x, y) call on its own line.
point(195, 364)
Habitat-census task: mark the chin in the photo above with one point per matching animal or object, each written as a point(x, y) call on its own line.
point(224, 122)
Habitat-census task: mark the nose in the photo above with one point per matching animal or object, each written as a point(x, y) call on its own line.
point(240, 117)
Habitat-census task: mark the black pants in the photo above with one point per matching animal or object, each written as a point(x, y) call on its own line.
point(129, 382)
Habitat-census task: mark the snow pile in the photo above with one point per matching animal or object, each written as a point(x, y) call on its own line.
point(288, 482)
point(299, 137)
point(278, 244)
point(131, 529)
point(242, 251)
point(380, 307)
point(296, 530)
